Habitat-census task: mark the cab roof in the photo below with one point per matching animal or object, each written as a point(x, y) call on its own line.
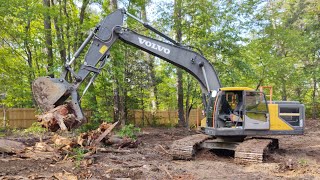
point(236, 89)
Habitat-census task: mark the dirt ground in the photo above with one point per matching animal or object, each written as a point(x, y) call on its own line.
point(297, 158)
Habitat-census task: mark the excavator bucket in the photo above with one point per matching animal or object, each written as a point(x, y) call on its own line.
point(50, 95)
point(47, 91)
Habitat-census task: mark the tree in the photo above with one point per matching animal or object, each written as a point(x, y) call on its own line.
point(48, 36)
point(178, 31)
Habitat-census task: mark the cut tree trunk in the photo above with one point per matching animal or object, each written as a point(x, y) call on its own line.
point(62, 117)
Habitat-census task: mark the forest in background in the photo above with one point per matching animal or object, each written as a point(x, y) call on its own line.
point(249, 43)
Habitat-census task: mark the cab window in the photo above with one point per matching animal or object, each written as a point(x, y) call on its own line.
point(256, 106)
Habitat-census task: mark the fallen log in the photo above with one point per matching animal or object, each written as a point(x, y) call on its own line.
point(9, 146)
point(40, 155)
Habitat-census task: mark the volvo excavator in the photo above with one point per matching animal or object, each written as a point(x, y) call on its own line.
point(240, 119)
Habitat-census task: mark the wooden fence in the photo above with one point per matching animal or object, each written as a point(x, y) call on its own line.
point(162, 118)
point(24, 117)
point(18, 117)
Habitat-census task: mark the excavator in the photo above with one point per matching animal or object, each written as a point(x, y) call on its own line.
point(239, 119)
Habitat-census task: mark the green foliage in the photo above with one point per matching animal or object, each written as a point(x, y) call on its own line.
point(35, 128)
point(2, 132)
point(88, 126)
point(94, 123)
point(129, 131)
point(78, 155)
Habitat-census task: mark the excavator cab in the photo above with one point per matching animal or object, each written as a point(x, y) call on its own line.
point(243, 111)
point(241, 108)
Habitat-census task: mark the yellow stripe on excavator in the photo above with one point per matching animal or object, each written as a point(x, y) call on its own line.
point(277, 123)
point(236, 89)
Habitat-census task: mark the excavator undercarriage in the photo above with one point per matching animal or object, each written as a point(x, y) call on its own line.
point(254, 149)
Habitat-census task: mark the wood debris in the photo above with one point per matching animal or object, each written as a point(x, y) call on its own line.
point(105, 133)
point(60, 147)
point(42, 146)
point(40, 151)
point(93, 138)
point(65, 176)
point(128, 142)
point(61, 117)
point(63, 143)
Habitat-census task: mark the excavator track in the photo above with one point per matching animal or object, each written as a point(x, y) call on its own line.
point(254, 150)
point(185, 148)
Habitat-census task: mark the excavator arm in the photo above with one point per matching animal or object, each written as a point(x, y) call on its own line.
point(53, 92)
point(184, 58)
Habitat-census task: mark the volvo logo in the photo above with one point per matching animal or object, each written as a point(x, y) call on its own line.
point(154, 46)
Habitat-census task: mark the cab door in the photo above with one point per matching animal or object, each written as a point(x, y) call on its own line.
point(256, 116)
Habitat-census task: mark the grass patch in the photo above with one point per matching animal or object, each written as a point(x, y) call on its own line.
point(35, 128)
point(129, 131)
point(78, 155)
point(2, 134)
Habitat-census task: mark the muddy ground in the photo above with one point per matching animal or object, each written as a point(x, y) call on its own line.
point(297, 158)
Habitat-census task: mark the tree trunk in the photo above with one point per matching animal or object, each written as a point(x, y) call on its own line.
point(67, 29)
point(142, 105)
point(78, 34)
point(181, 121)
point(48, 36)
point(189, 103)
point(178, 30)
point(123, 112)
point(113, 5)
point(153, 87)
point(284, 91)
point(29, 56)
point(59, 35)
point(116, 100)
point(151, 73)
point(124, 95)
point(4, 116)
point(314, 99)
